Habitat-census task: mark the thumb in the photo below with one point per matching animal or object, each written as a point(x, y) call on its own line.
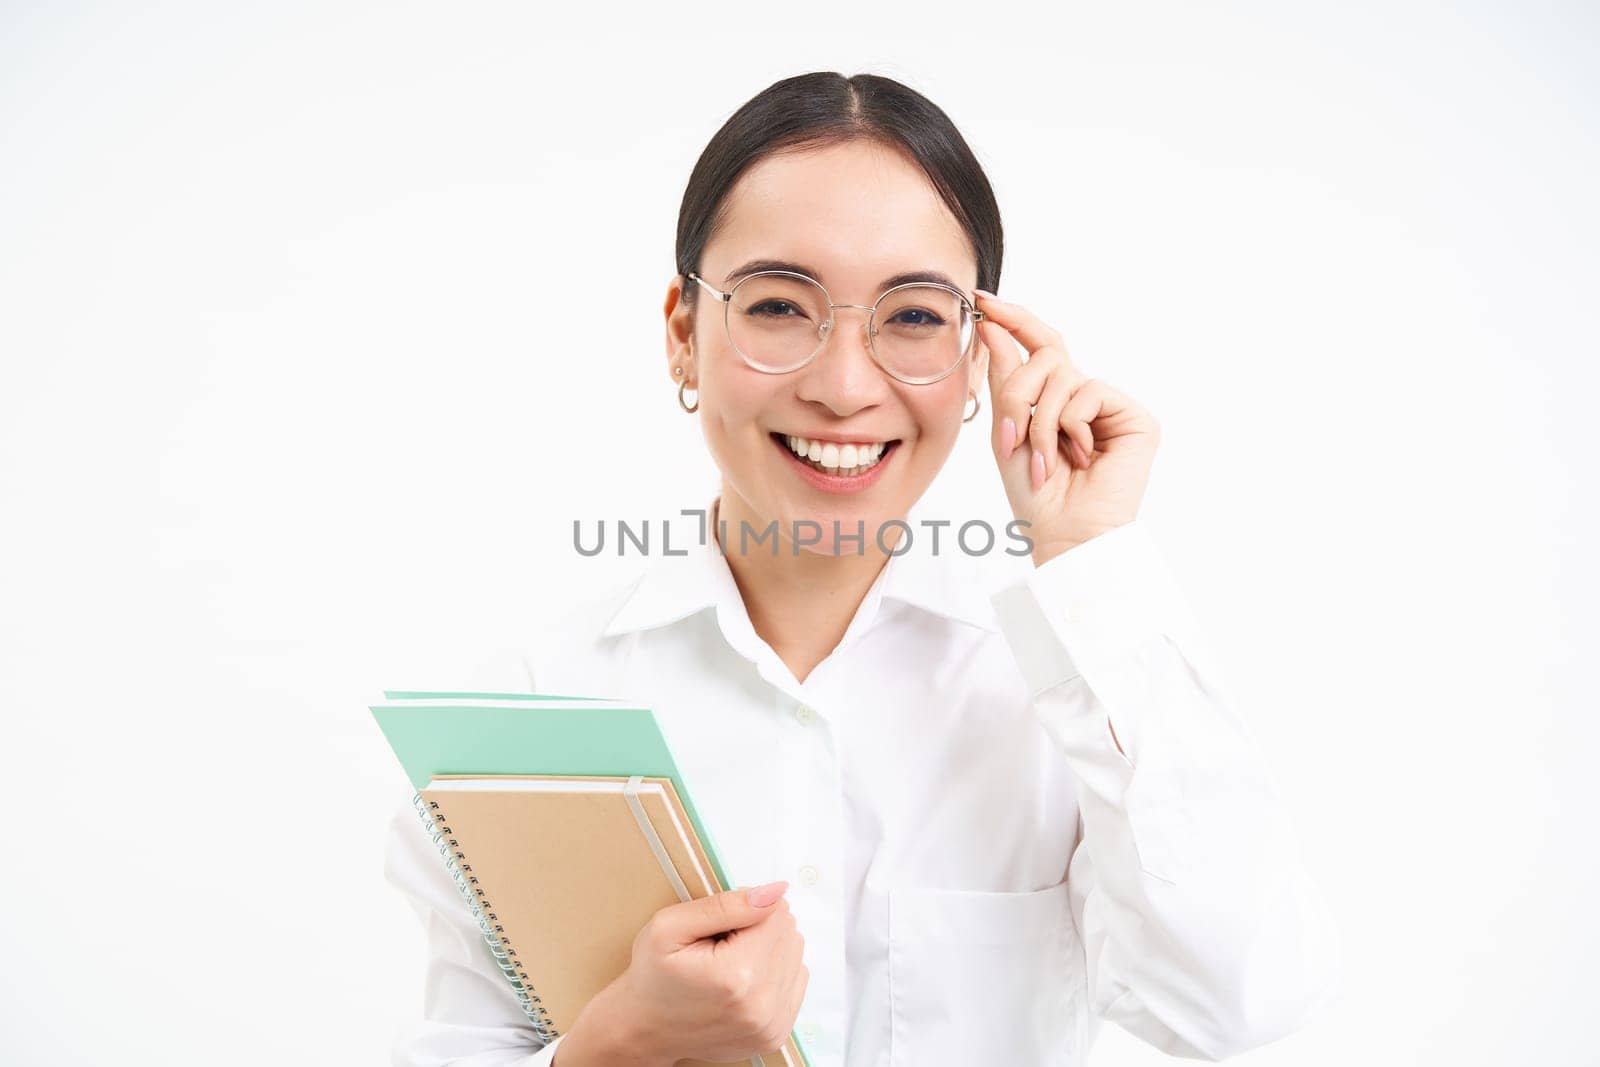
point(719, 913)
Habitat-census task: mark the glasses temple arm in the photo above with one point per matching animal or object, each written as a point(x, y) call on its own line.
point(718, 293)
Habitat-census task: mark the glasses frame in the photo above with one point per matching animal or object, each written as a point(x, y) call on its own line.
point(826, 328)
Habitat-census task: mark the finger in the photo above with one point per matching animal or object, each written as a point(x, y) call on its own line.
point(788, 1002)
point(752, 945)
point(784, 944)
point(1100, 412)
point(781, 966)
point(1081, 458)
point(1058, 388)
point(1079, 434)
point(1039, 339)
point(795, 997)
point(692, 920)
point(1081, 410)
point(1023, 324)
point(787, 954)
point(1004, 360)
point(1004, 355)
point(1019, 393)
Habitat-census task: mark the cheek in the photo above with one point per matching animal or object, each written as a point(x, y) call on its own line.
point(734, 401)
point(735, 405)
point(937, 411)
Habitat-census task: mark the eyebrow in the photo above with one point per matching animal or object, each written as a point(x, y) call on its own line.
point(756, 265)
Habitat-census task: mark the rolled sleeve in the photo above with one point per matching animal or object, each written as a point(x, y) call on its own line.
point(1205, 935)
point(1098, 615)
point(1091, 605)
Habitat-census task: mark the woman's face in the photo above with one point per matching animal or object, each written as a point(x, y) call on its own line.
point(853, 215)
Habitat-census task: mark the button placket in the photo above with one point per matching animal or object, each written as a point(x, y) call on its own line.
point(792, 767)
point(804, 714)
point(812, 825)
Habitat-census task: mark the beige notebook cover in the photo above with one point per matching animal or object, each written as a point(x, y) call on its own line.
point(564, 877)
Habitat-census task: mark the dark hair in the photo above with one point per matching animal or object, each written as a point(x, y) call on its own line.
point(823, 108)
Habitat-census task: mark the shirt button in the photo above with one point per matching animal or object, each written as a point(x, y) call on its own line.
point(805, 715)
point(809, 875)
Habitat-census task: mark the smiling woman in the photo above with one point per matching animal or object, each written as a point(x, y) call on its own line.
point(1010, 815)
point(837, 210)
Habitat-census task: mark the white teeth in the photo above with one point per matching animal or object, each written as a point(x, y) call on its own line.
point(850, 458)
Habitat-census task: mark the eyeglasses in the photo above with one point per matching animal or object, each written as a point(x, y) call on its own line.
point(779, 320)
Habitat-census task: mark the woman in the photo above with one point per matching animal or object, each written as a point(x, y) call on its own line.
point(982, 824)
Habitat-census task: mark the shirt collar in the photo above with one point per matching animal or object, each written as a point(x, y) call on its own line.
point(676, 586)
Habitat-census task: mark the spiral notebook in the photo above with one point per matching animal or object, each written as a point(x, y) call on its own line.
point(565, 825)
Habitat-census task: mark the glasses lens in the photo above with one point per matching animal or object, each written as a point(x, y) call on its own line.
point(775, 320)
point(922, 331)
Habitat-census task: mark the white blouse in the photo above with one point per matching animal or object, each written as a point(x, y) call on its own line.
point(979, 872)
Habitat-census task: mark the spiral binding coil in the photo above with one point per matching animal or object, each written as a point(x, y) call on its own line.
point(505, 956)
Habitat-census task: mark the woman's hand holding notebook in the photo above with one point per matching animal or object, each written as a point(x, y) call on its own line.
point(637, 917)
point(716, 979)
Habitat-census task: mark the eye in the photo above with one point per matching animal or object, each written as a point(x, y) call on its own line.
point(777, 309)
point(927, 318)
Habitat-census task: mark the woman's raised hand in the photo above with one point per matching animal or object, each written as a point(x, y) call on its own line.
point(1074, 453)
point(689, 993)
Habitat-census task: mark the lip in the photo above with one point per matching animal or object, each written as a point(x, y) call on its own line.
point(834, 438)
point(835, 483)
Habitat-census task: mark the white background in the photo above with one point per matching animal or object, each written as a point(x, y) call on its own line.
point(319, 326)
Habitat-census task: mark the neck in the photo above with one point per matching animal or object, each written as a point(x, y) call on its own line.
point(799, 603)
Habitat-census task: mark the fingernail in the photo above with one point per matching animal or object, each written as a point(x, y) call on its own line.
point(763, 895)
point(1038, 469)
point(1008, 436)
point(987, 293)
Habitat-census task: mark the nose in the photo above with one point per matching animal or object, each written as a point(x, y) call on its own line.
point(844, 377)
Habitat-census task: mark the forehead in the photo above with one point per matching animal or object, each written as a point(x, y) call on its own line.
point(856, 212)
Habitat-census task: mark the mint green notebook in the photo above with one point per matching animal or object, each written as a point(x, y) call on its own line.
point(454, 732)
point(428, 694)
point(525, 733)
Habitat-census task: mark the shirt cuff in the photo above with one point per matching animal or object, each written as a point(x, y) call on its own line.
point(1096, 601)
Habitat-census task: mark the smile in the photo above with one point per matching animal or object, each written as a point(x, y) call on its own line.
point(836, 467)
point(847, 460)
